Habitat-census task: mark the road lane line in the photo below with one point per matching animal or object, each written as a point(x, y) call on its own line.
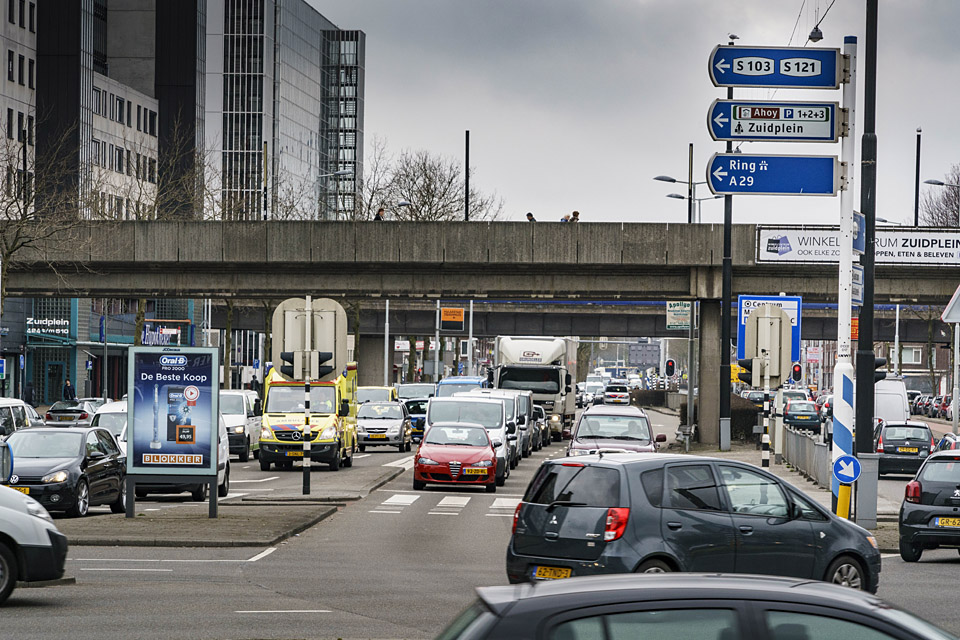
point(401, 499)
point(499, 515)
point(383, 511)
point(288, 611)
point(150, 560)
point(361, 455)
point(262, 554)
point(443, 513)
point(125, 569)
point(441, 493)
point(232, 495)
point(504, 503)
point(404, 463)
point(260, 480)
point(454, 501)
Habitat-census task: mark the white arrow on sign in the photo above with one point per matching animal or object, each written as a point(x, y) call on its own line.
point(719, 173)
point(846, 469)
point(722, 65)
point(720, 120)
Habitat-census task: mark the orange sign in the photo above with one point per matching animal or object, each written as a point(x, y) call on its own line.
point(451, 319)
point(855, 328)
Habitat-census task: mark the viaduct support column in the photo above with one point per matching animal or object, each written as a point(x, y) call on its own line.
point(708, 378)
point(369, 356)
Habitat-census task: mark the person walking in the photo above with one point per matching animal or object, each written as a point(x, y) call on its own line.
point(530, 217)
point(68, 391)
point(575, 217)
point(565, 218)
point(379, 216)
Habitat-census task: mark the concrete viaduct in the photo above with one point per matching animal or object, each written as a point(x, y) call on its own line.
point(584, 261)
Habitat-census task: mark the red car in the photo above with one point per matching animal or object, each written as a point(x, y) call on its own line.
point(456, 453)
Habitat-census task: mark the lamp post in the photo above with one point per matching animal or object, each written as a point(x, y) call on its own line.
point(338, 174)
point(699, 201)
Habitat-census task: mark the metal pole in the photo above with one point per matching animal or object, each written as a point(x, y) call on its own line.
point(916, 189)
point(386, 346)
point(896, 346)
point(956, 375)
point(466, 179)
point(264, 179)
point(307, 432)
point(470, 344)
point(725, 303)
point(691, 187)
point(436, 347)
point(843, 370)
point(103, 372)
point(765, 440)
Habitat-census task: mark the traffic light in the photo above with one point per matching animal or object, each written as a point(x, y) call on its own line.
point(671, 368)
point(796, 374)
point(746, 371)
point(303, 365)
point(877, 374)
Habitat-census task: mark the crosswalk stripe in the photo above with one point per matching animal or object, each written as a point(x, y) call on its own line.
point(505, 503)
point(454, 501)
point(401, 499)
point(403, 463)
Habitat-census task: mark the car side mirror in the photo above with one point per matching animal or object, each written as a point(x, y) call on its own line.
point(512, 437)
point(496, 443)
point(344, 409)
point(490, 377)
point(795, 511)
point(568, 381)
point(522, 420)
point(511, 427)
point(96, 455)
point(6, 462)
point(568, 387)
point(660, 438)
point(257, 407)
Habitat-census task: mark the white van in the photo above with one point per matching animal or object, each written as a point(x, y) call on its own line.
point(243, 415)
point(890, 402)
point(112, 416)
point(31, 548)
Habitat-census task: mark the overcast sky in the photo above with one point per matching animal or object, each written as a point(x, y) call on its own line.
point(577, 104)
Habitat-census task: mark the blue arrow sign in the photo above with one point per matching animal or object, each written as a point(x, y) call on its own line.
point(773, 121)
point(859, 233)
point(783, 67)
point(739, 173)
point(846, 469)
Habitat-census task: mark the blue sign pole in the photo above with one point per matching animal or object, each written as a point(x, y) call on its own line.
point(773, 175)
point(781, 67)
point(765, 121)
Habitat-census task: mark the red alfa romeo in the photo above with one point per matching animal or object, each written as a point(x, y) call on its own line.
point(456, 453)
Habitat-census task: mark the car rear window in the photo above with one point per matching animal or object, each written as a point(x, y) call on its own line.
point(906, 433)
point(947, 470)
point(801, 406)
point(591, 486)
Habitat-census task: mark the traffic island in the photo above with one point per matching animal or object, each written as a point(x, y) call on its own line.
point(189, 526)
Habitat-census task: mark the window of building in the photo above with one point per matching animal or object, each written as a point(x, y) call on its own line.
point(138, 172)
point(30, 130)
point(10, 65)
point(33, 17)
point(20, 66)
point(9, 181)
point(19, 126)
point(31, 70)
point(96, 99)
point(153, 123)
point(139, 110)
point(110, 157)
point(129, 167)
point(118, 160)
point(113, 107)
point(10, 123)
point(129, 112)
point(11, 11)
point(119, 117)
point(23, 12)
point(118, 207)
point(912, 355)
point(95, 146)
point(152, 170)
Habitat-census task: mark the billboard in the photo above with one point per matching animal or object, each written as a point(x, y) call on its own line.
point(894, 245)
point(678, 315)
point(451, 319)
point(172, 410)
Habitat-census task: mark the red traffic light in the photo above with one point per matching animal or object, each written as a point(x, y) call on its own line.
point(671, 368)
point(797, 373)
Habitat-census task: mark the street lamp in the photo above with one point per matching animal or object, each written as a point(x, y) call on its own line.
point(677, 196)
point(691, 187)
point(341, 173)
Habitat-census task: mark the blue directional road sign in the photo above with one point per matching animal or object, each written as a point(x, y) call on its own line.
point(846, 469)
point(766, 121)
point(793, 305)
point(783, 67)
point(770, 175)
point(3, 368)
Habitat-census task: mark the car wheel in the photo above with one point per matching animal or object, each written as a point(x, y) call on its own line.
point(256, 453)
point(140, 493)
point(8, 572)
point(363, 448)
point(348, 461)
point(335, 465)
point(224, 488)
point(555, 436)
point(419, 486)
point(911, 552)
point(121, 504)
point(402, 446)
point(491, 488)
point(513, 463)
point(82, 505)
point(245, 454)
point(846, 572)
point(200, 493)
point(264, 465)
point(654, 566)
point(408, 447)
point(286, 465)
point(502, 479)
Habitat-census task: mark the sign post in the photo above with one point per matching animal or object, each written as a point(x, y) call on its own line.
point(173, 424)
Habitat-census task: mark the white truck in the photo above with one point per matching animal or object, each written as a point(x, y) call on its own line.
point(547, 366)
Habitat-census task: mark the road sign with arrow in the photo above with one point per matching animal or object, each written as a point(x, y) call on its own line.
point(846, 469)
point(783, 67)
point(736, 173)
point(765, 121)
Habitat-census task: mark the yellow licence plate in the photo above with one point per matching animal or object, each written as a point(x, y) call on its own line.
point(551, 573)
point(294, 454)
point(65, 418)
point(907, 450)
point(22, 489)
point(378, 436)
point(948, 522)
point(475, 472)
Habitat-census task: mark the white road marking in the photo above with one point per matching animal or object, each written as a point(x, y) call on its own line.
point(499, 515)
point(151, 509)
point(262, 554)
point(383, 511)
point(150, 560)
point(361, 455)
point(441, 493)
point(443, 513)
point(232, 495)
point(505, 503)
point(889, 555)
point(144, 570)
point(401, 499)
point(403, 463)
point(288, 611)
point(454, 501)
point(260, 480)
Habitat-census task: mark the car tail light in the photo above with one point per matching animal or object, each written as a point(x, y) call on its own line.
point(573, 464)
point(516, 517)
point(880, 444)
point(933, 443)
point(616, 523)
point(84, 416)
point(49, 416)
point(913, 491)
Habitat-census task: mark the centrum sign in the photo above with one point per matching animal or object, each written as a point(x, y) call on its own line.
point(893, 246)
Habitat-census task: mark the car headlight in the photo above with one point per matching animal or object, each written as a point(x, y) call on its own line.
point(483, 463)
point(426, 461)
point(266, 433)
point(393, 430)
point(57, 476)
point(329, 433)
point(555, 418)
point(35, 509)
point(238, 429)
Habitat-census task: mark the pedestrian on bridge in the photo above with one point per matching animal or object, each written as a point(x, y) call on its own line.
point(530, 217)
point(565, 218)
point(379, 216)
point(575, 217)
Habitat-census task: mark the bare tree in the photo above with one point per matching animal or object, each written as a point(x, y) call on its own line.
point(433, 187)
point(940, 206)
point(373, 188)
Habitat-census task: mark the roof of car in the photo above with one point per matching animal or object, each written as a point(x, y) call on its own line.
point(11, 402)
point(951, 454)
point(113, 407)
point(906, 423)
point(675, 586)
point(71, 429)
point(374, 387)
point(614, 410)
point(462, 379)
point(469, 398)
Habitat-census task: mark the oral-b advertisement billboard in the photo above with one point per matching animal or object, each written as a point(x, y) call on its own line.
point(894, 245)
point(172, 411)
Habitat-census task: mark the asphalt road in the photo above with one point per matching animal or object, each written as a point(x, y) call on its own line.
point(397, 564)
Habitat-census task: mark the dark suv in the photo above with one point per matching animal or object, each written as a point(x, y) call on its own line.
point(930, 513)
point(654, 513)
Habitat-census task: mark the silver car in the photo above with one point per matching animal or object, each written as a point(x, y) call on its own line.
point(384, 423)
point(72, 413)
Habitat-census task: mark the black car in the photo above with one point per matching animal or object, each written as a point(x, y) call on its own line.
point(651, 513)
point(902, 446)
point(930, 513)
point(723, 607)
point(69, 468)
point(417, 408)
point(802, 414)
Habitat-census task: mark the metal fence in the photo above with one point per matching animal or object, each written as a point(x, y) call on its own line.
point(808, 456)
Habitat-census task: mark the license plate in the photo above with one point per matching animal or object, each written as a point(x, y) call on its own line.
point(551, 573)
point(948, 522)
point(294, 454)
point(475, 472)
point(907, 450)
point(804, 417)
point(65, 418)
point(378, 436)
point(25, 490)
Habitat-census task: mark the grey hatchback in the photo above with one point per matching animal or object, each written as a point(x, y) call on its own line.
point(656, 513)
